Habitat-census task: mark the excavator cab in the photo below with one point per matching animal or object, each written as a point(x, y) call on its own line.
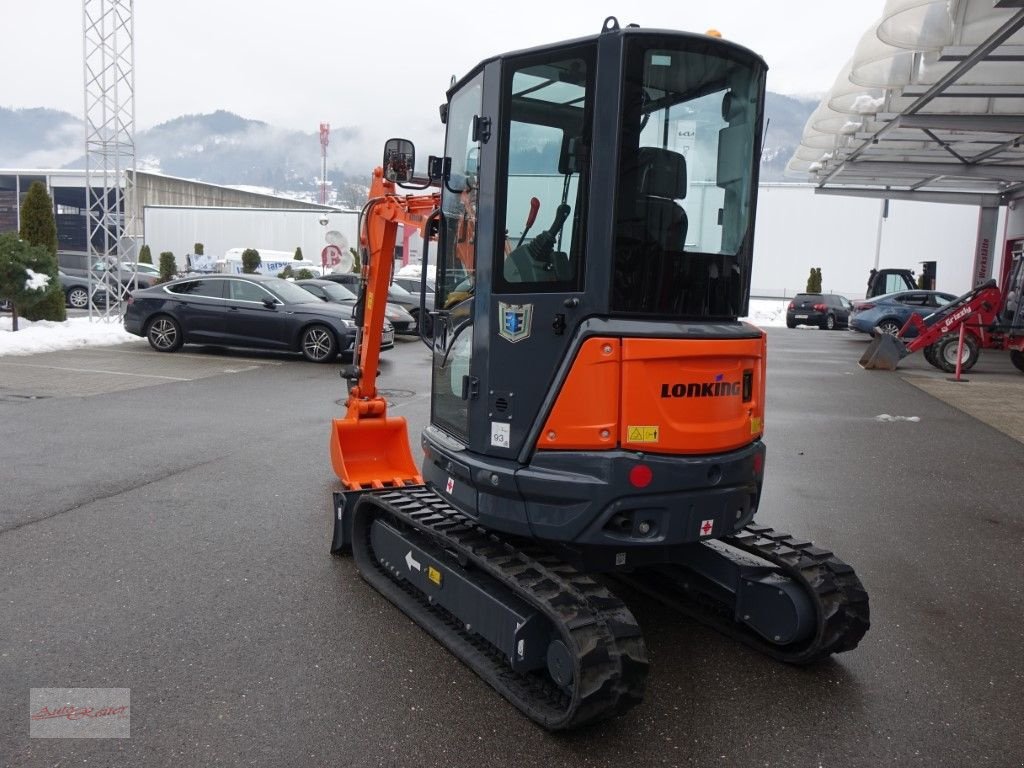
point(594, 254)
point(596, 404)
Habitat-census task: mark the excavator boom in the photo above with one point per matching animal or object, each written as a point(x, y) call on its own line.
point(370, 449)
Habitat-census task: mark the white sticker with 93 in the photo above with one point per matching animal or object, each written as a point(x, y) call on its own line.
point(499, 434)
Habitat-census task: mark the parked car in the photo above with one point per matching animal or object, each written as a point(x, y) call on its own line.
point(411, 283)
point(396, 295)
point(77, 291)
point(890, 311)
point(327, 290)
point(76, 264)
point(256, 311)
point(827, 311)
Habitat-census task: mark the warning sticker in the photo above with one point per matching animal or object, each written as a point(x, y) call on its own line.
point(434, 575)
point(707, 527)
point(642, 434)
point(756, 425)
point(450, 485)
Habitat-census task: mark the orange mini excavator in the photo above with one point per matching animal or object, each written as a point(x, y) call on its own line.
point(596, 406)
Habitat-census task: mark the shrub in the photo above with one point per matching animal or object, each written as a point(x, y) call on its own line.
point(145, 255)
point(251, 261)
point(168, 267)
point(304, 274)
point(197, 249)
point(298, 254)
point(287, 272)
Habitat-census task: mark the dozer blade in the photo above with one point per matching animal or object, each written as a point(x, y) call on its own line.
point(373, 453)
point(883, 353)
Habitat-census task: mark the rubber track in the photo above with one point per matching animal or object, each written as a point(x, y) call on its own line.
point(610, 660)
point(840, 600)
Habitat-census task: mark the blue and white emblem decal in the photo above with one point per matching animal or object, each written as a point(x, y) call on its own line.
point(515, 321)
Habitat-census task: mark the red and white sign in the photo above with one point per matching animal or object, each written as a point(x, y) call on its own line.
point(706, 527)
point(450, 486)
point(330, 256)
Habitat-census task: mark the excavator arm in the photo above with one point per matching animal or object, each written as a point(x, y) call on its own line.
point(370, 449)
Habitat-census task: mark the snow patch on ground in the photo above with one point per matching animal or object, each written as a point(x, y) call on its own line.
point(47, 336)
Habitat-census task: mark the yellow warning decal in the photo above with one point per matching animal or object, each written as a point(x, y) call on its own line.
point(756, 425)
point(642, 434)
point(434, 575)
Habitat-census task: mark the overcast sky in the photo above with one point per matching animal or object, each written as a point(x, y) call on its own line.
point(381, 66)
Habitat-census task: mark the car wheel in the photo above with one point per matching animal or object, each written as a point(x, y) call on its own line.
point(1017, 358)
point(164, 334)
point(945, 353)
point(829, 324)
point(318, 344)
point(790, 324)
point(78, 298)
point(889, 326)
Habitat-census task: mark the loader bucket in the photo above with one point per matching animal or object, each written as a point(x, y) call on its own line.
point(373, 453)
point(883, 353)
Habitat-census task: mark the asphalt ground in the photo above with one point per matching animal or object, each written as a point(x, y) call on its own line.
point(164, 523)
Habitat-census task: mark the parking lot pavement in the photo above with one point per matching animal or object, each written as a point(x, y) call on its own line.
point(96, 370)
point(172, 540)
point(990, 392)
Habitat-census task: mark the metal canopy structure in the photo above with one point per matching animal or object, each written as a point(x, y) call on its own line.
point(930, 108)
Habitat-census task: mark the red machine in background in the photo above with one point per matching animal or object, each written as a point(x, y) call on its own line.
point(989, 316)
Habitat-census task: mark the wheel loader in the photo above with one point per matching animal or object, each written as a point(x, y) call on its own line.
point(597, 408)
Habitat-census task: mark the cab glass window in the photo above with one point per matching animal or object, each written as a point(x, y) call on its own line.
point(546, 163)
point(684, 214)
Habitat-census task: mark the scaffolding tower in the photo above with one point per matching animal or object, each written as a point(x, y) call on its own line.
point(111, 216)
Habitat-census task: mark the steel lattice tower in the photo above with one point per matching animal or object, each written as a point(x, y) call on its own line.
point(109, 57)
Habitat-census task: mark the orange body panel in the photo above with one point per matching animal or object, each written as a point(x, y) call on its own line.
point(586, 414)
point(668, 396)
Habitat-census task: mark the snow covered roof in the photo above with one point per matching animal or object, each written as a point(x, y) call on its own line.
point(929, 107)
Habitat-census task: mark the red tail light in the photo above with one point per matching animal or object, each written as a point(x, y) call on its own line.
point(792, 305)
point(640, 476)
point(862, 306)
point(820, 307)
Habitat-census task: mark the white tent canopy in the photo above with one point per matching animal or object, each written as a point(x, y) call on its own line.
point(930, 106)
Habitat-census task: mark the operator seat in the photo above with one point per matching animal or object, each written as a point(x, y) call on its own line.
point(662, 181)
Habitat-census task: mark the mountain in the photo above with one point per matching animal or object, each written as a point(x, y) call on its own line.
point(786, 116)
point(225, 148)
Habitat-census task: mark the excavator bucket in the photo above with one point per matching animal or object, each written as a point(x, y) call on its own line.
point(373, 453)
point(883, 353)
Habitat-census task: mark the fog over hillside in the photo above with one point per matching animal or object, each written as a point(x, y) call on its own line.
point(225, 148)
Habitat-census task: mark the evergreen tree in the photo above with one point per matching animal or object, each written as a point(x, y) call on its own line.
point(168, 267)
point(39, 227)
point(298, 254)
point(251, 261)
point(145, 255)
point(197, 249)
point(24, 281)
point(814, 280)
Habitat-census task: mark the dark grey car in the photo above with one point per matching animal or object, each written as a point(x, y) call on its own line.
point(255, 311)
point(827, 311)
